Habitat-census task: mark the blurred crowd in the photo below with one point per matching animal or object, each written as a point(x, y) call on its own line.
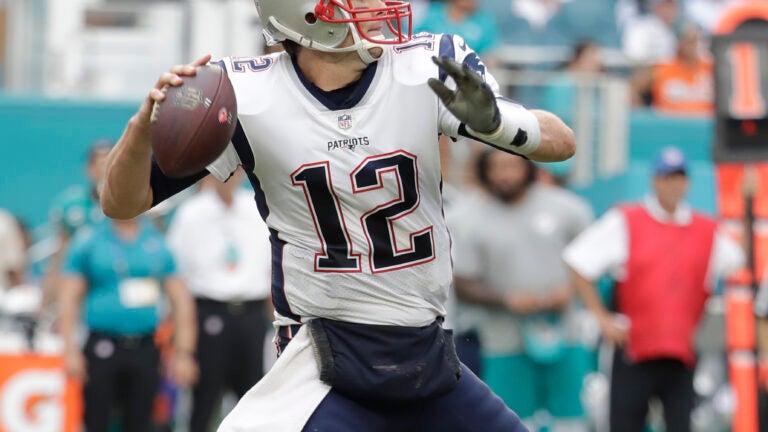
point(660, 46)
point(174, 306)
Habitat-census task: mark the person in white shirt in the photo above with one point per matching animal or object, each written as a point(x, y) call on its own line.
point(223, 253)
point(650, 38)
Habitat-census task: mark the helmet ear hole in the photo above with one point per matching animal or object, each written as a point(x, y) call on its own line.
point(310, 18)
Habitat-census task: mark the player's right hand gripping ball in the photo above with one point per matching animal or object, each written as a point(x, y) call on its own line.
point(195, 122)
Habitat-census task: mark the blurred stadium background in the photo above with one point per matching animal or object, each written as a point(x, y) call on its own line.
point(74, 71)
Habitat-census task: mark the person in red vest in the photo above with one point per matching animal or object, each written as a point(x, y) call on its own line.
point(664, 258)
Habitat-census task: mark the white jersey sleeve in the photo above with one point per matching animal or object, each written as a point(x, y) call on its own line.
point(601, 248)
point(226, 164)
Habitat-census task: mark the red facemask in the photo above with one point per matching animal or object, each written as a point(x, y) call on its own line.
point(395, 14)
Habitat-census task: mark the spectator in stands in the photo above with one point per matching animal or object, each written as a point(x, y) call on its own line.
point(224, 255)
point(561, 95)
point(75, 207)
point(537, 12)
point(684, 85)
point(665, 258)
point(116, 270)
point(507, 260)
point(627, 10)
point(650, 38)
point(466, 19)
point(706, 13)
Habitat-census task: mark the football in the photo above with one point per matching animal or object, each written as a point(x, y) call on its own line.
point(195, 122)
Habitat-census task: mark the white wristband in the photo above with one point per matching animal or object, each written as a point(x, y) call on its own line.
point(518, 132)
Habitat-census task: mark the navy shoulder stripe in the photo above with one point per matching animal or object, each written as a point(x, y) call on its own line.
point(243, 147)
point(221, 64)
point(446, 49)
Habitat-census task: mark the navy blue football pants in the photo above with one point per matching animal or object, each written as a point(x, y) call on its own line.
point(470, 407)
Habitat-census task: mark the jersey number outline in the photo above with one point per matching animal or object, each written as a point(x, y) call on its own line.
point(419, 40)
point(338, 254)
point(252, 64)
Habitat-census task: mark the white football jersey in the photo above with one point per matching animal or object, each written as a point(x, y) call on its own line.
point(352, 196)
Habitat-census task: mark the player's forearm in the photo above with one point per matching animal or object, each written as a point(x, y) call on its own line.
point(536, 134)
point(51, 278)
point(127, 192)
point(589, 295)
point(558, 142)
point(472, 291)
point(70, 295)
point(184, 325)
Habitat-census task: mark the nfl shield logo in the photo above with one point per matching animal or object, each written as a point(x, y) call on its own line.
point(345, 121)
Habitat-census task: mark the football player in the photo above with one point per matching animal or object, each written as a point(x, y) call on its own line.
point(338, 135)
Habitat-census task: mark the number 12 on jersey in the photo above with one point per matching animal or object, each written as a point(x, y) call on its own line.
point(378, 223)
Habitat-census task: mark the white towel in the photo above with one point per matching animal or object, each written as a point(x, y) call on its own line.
point(286, 397)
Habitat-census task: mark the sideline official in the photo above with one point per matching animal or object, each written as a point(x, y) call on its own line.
point(665, 258)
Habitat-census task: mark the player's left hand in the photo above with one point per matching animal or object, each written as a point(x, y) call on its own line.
point(183, 370)
point(472, 102)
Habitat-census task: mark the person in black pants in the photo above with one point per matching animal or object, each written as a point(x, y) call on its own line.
point(116, 273)
point(223, 251)
point(230, 353)
point(124, 370)
point(633, 384)
point(665, 258)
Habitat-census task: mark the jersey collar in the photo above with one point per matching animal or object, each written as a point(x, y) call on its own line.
point(343, 98)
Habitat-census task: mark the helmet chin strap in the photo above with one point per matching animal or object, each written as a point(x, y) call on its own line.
point(364, 46)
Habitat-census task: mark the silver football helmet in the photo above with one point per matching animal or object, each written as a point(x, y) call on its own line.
point(323, 25)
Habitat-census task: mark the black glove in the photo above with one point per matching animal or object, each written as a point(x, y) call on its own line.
point(473, 102)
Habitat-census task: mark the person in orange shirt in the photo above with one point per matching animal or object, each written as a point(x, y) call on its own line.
point(680, 86)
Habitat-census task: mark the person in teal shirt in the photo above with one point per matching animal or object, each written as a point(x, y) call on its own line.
point(462, 17)
point(78, 205)
point(116, 273)
point(74, 207)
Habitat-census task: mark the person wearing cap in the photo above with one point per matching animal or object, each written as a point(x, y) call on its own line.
point(665, 258)
point(516, 293)
point(650, 37)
